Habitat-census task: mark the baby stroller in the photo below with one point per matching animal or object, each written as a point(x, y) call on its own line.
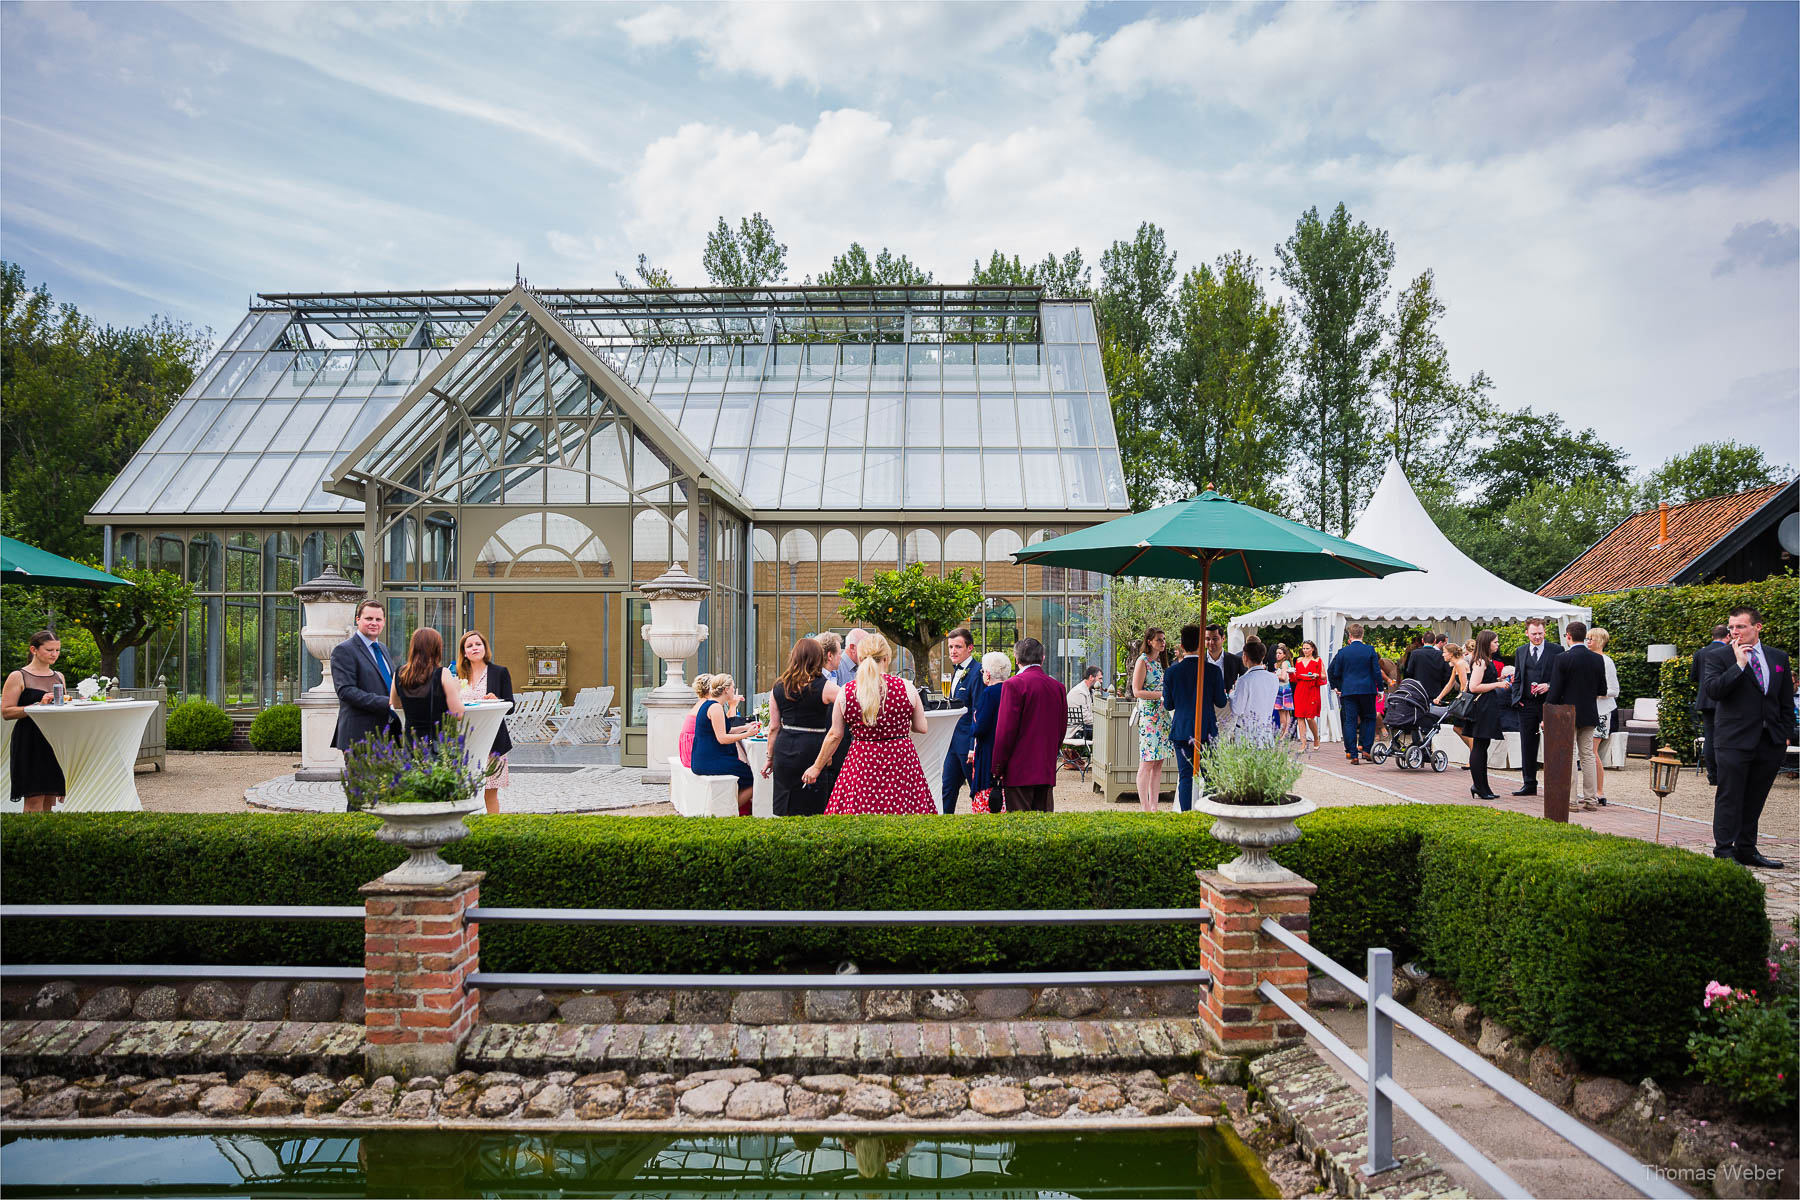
point(1412, 722)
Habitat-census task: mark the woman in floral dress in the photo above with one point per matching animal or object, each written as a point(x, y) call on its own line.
point(880, 712)
point(1156, 737)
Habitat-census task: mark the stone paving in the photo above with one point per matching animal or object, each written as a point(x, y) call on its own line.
point(588, 789)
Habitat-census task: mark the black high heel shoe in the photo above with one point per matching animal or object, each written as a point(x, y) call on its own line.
point(1483, 795)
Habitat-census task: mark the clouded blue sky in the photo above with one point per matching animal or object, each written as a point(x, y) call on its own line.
point(1608, 194)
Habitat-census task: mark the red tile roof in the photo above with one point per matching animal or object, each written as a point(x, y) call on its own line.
point(1631, 556)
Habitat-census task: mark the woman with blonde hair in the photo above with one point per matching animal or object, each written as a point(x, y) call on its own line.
point(881, 713)
point(482, 679)
point(1607, 704)
point(684, 745)
point(716, 739)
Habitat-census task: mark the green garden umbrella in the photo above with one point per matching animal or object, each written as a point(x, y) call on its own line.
point(1211, 538)
point(28, 565)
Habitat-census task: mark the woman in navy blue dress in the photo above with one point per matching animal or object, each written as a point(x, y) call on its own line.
point(715, 739)
point(995, 667)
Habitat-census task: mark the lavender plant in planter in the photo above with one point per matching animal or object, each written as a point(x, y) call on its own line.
point(421, 788)
point(1247, 775)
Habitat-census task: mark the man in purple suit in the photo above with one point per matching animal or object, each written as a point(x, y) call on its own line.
point(1033, 720)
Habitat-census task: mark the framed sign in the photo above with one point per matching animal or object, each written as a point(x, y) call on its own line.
point(548, 665)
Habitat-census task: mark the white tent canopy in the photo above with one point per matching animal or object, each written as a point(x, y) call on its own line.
point(1452, 592)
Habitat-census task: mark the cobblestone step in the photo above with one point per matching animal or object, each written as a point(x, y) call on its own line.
point(78, 1048)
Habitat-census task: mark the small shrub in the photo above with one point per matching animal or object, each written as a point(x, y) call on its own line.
point(196, 724)
point(1249, 766)
point(1748, 1043)
point(277, 729)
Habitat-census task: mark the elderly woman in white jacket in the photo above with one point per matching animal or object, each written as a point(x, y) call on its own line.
point(1596, 641)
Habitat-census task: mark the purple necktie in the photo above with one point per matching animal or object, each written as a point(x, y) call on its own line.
point(1756, 669)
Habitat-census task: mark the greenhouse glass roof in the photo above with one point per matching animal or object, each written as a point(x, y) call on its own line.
point(798, 398)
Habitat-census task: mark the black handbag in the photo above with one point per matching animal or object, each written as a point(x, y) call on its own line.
point(1460, 708)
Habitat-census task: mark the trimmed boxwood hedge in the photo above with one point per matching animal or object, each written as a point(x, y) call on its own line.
point(277, 729)
point(1598, 944)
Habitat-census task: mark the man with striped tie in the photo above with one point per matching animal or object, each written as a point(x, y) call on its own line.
point(1753, 724)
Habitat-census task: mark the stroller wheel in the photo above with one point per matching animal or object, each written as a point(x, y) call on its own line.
point(1415, 757)
point(1440, 762)
point(1379, 752)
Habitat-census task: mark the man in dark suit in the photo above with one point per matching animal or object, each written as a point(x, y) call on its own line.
point(965, 685)
point(1178, 698)
point(1531, 681)
point(1708, 661)
point(1578, 678)
point(1753, 722)
point(1033, 720)
point(1355, 675)
point(363, 678)
point(1428, 665)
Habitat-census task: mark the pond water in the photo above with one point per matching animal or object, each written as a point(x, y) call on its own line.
point(429, 1163)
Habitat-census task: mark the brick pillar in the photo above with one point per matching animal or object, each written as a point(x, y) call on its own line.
point(1241, 957)
point(417, 953)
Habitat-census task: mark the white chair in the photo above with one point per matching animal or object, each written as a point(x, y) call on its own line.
point(526, 721)
point(584, 721)
point(701, 795)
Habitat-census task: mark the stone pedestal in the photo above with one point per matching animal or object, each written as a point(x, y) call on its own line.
point(328, 604)
point(1237, 1018)
point(664, 713)
point(674, 634)
point(418, 953)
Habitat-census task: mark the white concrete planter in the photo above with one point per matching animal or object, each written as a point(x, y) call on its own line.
point(422, 829)
point(1256, 829)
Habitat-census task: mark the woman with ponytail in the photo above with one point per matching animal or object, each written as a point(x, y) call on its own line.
point(880, 713)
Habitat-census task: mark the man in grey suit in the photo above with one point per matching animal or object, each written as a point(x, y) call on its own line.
point(364, 678)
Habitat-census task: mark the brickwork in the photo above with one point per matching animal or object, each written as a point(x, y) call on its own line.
point(1240, 957)
point(418, 953)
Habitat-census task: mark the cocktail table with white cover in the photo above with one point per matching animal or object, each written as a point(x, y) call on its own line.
point(481, 725)
point(96, 744)
point(932, 745)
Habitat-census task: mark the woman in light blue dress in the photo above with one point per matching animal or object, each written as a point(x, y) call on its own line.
point(1156, 743)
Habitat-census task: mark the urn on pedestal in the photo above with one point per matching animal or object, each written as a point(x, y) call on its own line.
point(674, 634)
point(328, 605)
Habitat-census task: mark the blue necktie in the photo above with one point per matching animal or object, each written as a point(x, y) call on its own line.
point(381, 664)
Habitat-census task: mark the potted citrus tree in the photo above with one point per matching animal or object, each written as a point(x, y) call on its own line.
point(1248, 776)
point(421, 788)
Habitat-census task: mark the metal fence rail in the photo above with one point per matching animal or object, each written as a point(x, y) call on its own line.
point(178, 912)
point(1384, 1091)
point(849, 982)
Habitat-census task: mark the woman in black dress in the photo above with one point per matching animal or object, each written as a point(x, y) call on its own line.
point(425, 690)
point(1482, 725)
point(799, 719)
point(37, 777)
point(485, 680)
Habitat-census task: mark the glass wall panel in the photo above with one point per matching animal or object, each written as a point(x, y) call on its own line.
point(1059, 322)
point(800, 486)
point(772, 420)
point(924, 479)
point(890, 366)
point(992, 366)
point(962, 478)
point(1043, 479)
point(1000, 477)
point(838, 555)
point(1029, 371)
point(881, 478)
point(762, 478)
point(1081, 470)
point(1065, 368)
point(812, 417)
point(733, 428)
point(843, 479)
point(922, 546)
point(959, 366)
point(799, 558)
point(962, 422)
point(886, 416)
point(1072, 420)
point(880, 550)
point(924, 421)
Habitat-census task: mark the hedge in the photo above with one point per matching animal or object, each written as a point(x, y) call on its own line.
point(198, 725)
point(1677, 725)
point(1597, 944)
point(277, 729)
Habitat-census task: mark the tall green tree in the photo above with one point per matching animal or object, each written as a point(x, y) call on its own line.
point(121, 618)
point(649, 276)
point(1137, 290)
point(1712, 469)
point(76, 402)
point(1337, 270)
point(854, 268)
point(1142, 441)
point(1529, 448)
point(1061, 278)
point(1231, 416)
point(1136, 310)
point(1427, 407)
point(1540, 531)
point(1000, 270)
point(746, 257)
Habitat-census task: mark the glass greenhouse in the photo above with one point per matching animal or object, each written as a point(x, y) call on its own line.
point(517, 462)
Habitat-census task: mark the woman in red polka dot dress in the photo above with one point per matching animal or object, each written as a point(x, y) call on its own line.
point(881, 712)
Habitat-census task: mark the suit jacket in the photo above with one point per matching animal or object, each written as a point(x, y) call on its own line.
point(1708, 661)
point(1356, 670)
point(1033, 721)
point(963, 693)
point(1526, 672)
point(362, 695)
point(1578, 677)
point(1233, 666)
point(987, 717)
point(1745, 717)
point(1178, 698)
point(1428, 666)
point(499, 682)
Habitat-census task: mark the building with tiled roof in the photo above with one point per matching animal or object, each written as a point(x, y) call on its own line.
point(1721, 539)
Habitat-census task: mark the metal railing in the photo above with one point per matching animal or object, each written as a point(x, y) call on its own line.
point(1384, 1091)
point(754, 918)
point(178, 912)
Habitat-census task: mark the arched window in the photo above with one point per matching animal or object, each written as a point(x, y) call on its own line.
point(546, 545)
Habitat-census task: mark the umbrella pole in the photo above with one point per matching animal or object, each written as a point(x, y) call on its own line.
point(1200, 672)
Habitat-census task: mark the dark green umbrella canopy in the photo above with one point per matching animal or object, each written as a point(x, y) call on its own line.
point(20, 563)
point(1215, 538)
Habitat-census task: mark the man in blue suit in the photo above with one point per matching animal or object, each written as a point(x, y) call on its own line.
point(1178, 698)
point(1355, 675)
point(965, 685)
point(364, 678)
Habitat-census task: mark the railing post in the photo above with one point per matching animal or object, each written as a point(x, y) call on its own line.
point(1235, 1016)
point(418, 953)
point(1381, 1064)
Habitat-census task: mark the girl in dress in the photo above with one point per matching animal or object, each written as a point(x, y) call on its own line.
point(685, 743)
point(425, 690)
point(716, 739)
point(1308, 676)
point(1156, 734)
point(485, 680)
point(880, 713)
point(1284, 690)
point(37, 777)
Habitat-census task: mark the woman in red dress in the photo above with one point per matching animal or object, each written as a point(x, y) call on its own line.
point(881, 712)
point(1308, 677)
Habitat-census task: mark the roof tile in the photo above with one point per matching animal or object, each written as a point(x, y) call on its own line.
point(1630, 555)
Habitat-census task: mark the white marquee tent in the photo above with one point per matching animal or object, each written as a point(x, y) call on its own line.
point(1452, 592)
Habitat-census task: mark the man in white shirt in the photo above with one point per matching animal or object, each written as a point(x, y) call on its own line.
point(1081, 698)
point(1230, 667)
point(1254, 699)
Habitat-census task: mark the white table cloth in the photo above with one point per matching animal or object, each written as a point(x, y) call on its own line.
point(932, 746)
point(481, 725)
point(96, 745)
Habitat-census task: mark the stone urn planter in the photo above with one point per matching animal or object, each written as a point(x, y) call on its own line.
point(1256, 829)
point(422, 830)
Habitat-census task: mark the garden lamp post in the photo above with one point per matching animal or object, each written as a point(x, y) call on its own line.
point(1665, 771)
